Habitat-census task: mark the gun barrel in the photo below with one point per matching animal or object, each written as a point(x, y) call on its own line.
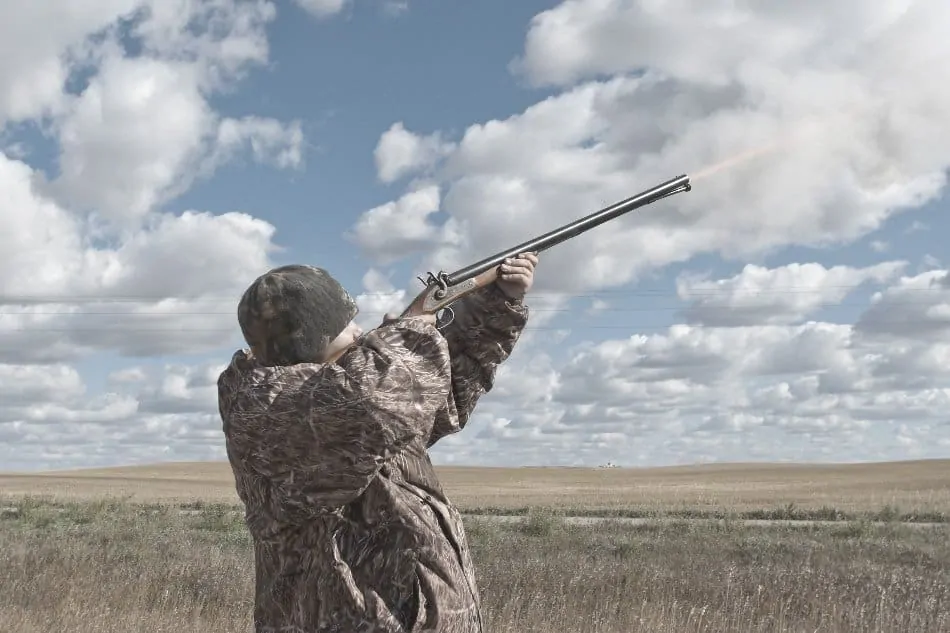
point(566, 232)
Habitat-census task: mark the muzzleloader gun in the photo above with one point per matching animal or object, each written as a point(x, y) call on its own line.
point(443, 289)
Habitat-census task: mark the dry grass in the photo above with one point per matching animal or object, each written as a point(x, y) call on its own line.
point(919, 487)
point(96, 567)
point(91, 565)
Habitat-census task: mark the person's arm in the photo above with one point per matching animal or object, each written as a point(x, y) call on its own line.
point(481, 336)
point(330, 435)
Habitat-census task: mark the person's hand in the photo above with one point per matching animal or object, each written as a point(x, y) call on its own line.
point(516, 275)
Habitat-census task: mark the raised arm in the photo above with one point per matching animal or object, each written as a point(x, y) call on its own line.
point(482, 335)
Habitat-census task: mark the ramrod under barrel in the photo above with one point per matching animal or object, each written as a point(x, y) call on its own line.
point(573, 229)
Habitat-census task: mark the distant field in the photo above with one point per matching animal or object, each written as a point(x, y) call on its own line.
point(908, 488)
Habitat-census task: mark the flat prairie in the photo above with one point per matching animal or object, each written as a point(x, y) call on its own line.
point(911, 487)
point(106, 550)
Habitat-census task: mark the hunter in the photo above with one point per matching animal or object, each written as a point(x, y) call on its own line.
point(352, 531)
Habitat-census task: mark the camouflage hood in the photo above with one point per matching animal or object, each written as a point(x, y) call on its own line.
point(290, 314)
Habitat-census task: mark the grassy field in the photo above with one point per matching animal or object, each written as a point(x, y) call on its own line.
point(915, 489)
point(76, 560)
point(97, 567)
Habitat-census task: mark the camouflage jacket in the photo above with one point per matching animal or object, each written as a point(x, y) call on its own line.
point(352, 531)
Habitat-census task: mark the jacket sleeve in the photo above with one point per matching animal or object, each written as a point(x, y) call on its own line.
point(480, 337)
point(352, 416)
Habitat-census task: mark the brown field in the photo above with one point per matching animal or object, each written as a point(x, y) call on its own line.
point(921, 487)
point(80, 562)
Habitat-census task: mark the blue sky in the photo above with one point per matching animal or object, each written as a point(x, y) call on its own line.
point(788, 308)
point(438, 66)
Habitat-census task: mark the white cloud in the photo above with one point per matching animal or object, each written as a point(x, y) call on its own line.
point(142, 130)
point(919, 305)
point(393, 230)
point(36, 62)
point(53, 399)
point(53, 422)
point(270, 141)
point(40, 243)
point(852, 122)
point(133, 131)
point(380, 297)
point(400, 152)
point(793, 135)
point(172, 284)
point(786, 294)
point(109, 409)
point(131, 136)
point(26, 384)
point(815, 137)
point(322, 8)
point(220, 39)
point(709, 43)
point(128, 375)
point(784, 391)
point(192, 255)
point(395, 7)
point(183, 390)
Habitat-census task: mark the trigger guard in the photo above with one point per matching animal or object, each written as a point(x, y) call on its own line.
point(440, 323)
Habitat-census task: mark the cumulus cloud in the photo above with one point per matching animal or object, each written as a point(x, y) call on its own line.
point(127, 375)
point(396, 229)
point(918, 305)
point(786, 294)
point(88, 260)
point(584, 38)
point(836, 129)
point(270, 141)
point(791, 391)
point(130, 135)
point(54, 383)
point(170, 286)
point(400, 152)
point(55, 397)
point(322, 8)
point(395, 7)
point(142, 129)
point(800, 124)
point(183, 389)
point(36, 63)
point(380, 297)
point(53, 420)
point(55, 331)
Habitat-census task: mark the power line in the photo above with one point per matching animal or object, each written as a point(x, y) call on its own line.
point(777, 290)
point(705, 307)
point(630, 328)
point(716, 310)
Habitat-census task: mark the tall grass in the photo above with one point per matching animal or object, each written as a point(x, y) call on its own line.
point(110, 566)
